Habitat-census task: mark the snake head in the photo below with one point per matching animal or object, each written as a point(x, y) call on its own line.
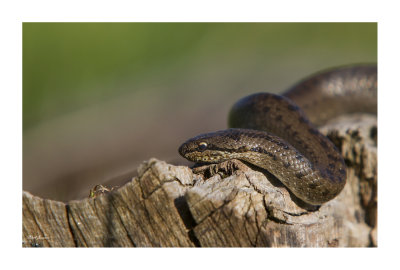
point(213, 147)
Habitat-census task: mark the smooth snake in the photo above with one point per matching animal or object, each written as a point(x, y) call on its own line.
point(272, 132)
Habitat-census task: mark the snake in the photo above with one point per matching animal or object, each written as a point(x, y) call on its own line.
point(279, 133)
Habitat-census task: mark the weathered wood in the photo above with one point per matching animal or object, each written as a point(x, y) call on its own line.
point(228, 204)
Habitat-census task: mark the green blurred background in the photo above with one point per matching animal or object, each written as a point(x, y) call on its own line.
point(98, 98)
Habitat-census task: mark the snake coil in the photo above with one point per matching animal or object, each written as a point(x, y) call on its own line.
point(273, 132)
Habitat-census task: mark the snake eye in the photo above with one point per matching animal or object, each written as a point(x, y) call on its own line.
point(202, 146)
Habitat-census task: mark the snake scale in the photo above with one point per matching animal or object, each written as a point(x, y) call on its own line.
point(272, 132)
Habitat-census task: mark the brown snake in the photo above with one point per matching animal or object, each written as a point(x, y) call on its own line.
point(273, 133)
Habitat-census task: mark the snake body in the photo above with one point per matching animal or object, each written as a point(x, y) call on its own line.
point(272, 132)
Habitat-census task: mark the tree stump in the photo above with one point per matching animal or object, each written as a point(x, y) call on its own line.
point(220, 205)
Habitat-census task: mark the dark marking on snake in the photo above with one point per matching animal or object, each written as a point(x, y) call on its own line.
point(313, 131)
point(293, 107)
point(234, 136)
point(299, 174)
point(332, 157)
point(324, 144)
point(302, 119)
point(299, 157)
point(312, 185)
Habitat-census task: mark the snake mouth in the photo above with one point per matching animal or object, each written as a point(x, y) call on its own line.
point(206, 156)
